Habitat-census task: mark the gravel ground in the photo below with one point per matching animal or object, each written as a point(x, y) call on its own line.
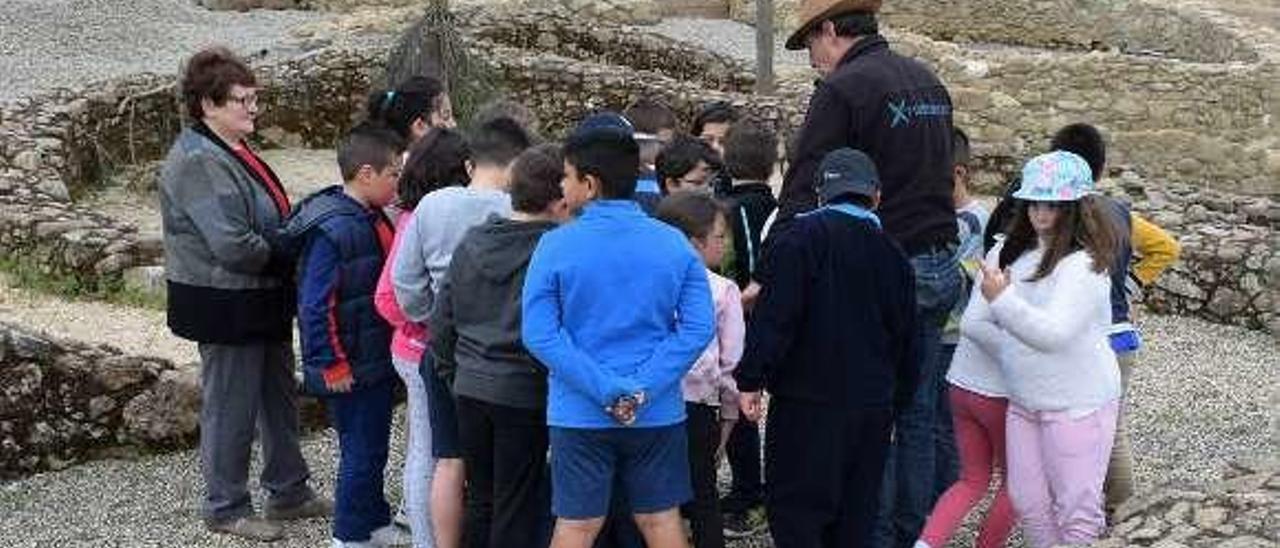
point(65, 43)
point(137, 331)
point(1203, 395)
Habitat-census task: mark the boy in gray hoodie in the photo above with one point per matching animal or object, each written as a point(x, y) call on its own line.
point(426, 249)
point(501, 390)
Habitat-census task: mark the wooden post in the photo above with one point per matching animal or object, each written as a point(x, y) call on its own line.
point(764, 46)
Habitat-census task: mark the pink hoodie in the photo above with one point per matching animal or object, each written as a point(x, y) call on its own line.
point(410, 338)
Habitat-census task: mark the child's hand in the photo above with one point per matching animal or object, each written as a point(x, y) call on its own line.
point(994, 281)
point(342, 385)
point(751, 405)
point(624, 409)
point(750, 294)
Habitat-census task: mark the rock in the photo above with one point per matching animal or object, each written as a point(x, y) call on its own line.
point(22, 345)
point(27, 160)
point(21, 385)
point(100, 406)
point(113, 264)
point(55, 188)
point(1127, 526)
point(1227, 302)
point(1144, 534)
point(1178, 513)
point(147, 279)
point(1210, 517)
point(168, 413)
point(1246, 542)
point(119, 372)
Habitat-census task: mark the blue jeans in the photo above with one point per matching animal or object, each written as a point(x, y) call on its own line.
point(946, 461)
point(363, 422)
point(907, 492)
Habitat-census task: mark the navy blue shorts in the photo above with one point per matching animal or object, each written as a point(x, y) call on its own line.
point(442, 411)
point(651, 466)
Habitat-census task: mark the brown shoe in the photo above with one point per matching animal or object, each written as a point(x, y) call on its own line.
point(249, 527)
point(316, 507)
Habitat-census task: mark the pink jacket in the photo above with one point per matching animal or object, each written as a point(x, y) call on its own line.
point(410, 338)
point(710, 381)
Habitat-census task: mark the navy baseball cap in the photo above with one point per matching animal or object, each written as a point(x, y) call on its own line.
point(846, 171)
point(606, 124)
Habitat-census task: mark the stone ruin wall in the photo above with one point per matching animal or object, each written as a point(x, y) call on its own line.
point(55, 146)
point(63, 402)
point(61, 145)
point(1153, 111)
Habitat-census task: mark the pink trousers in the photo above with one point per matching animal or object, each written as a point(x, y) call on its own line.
point(1057, 465)
point(979, 423)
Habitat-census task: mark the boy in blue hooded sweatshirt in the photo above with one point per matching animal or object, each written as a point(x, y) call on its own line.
point(346, 357)
point(617, 306)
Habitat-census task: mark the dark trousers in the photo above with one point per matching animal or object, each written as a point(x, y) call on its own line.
point(908, 487)
point(946, 459)
point(249, 389)
point(505, 449)
point(363, 421)
point(824, 465)
point(746, 490)
point(703, 426)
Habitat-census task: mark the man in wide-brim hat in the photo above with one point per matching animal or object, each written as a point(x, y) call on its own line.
point(897, 111)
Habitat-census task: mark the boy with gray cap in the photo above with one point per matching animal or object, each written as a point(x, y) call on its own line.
point(832, 341)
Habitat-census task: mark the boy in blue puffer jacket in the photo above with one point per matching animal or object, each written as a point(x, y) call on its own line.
point(344, 237)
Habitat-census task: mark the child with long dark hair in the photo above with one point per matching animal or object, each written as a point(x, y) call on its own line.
point(437, 160)
point(1049, 292)
point(412, 108)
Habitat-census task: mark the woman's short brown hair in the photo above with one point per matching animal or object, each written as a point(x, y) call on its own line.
point(210, 74)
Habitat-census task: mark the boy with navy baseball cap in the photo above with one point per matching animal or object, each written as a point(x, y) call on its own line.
point(831, 339)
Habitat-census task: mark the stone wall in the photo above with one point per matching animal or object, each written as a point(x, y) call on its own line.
point(1229, 270)
point(1131, 26)
point(63, 402)
point(1184, 157)
point(1242, 511)
point(564, 71)
point(63, 144)
point(1207, 124)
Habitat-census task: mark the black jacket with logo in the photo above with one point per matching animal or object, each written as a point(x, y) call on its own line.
point(897, 111)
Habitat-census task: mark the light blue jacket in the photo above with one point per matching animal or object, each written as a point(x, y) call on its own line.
point(615, 303)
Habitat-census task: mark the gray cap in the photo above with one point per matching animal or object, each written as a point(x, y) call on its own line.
point(846, 171)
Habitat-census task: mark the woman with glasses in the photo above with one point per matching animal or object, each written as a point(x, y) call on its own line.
point(229, 289)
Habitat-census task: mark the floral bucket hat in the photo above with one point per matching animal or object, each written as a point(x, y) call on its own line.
point(1058, 176)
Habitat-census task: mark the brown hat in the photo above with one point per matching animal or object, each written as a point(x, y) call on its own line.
point(813, 12)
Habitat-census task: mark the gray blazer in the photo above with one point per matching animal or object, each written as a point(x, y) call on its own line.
point(217, 218)
point(229, 274)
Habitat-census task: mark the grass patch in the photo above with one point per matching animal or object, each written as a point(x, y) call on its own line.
point(25, 272)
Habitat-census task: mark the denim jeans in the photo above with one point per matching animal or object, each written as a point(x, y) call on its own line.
point(363, 421)
point(907, 492)
point(946, 460)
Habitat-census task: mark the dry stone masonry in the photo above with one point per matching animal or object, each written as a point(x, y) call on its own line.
point(1243, 511)
point(59, 145)
point(62, 402)
point(1197, 141)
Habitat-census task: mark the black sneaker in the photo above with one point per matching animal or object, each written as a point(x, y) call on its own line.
point(745, 524)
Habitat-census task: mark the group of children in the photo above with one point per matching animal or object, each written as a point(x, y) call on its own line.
point(569, 323)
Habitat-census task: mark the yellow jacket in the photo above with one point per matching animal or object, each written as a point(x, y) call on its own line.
point(1155, 248)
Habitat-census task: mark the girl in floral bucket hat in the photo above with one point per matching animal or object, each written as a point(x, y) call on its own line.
point(1043, 314)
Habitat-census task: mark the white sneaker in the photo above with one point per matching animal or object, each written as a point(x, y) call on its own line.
point(353, 544)
point(390, 535)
